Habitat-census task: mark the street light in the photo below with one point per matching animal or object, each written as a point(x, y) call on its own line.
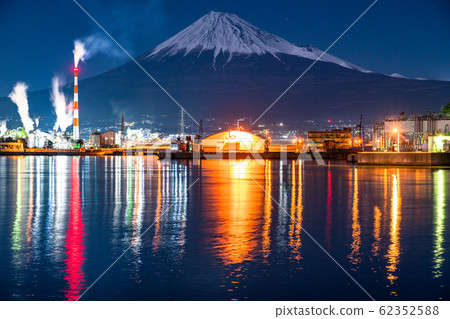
point(398, 139)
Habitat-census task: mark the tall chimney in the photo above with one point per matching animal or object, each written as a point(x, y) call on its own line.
point(122, 132)
point(76, 124)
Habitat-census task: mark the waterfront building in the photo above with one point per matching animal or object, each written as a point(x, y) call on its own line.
point(412, 131)
point(12, 146)
point(331, 139)
point(108, 139)
point(94, 139)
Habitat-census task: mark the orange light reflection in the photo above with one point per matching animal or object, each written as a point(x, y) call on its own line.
point(393, 254)
point(237, 238)
point(376, 230)
point(355, 254)
point(267, 209)
point(295, 227)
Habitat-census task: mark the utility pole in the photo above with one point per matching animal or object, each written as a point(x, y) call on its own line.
point(361, 133)
point(238, 121)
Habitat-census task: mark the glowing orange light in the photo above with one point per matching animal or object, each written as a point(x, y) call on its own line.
point(235, 232)
point(75, 69)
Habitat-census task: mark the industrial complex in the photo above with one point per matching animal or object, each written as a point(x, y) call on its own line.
point(429, 133)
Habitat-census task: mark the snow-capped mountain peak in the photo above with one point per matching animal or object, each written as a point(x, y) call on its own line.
point(231, 35)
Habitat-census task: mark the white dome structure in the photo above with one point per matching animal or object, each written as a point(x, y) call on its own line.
point(233, 141)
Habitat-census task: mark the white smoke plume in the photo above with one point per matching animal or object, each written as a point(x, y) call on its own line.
point(96, 43)
point(19, 97)
point(63, 110)
point(78, 52)
point(3, 128)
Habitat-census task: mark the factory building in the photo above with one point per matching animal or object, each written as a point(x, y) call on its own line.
point(94, 139)
point(12, 146)
point(413, 132)
point(108, 139)
point(333, 139)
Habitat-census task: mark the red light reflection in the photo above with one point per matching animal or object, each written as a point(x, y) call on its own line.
point(74, 242)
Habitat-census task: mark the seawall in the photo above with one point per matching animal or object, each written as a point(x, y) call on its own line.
point(404, 158)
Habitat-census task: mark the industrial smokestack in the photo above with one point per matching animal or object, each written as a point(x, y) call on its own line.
point(122, 132)
point(76, 127)
point(78, 54)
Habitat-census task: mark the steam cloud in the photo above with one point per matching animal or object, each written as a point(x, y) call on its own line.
point(19, 97)
point(64, 115)
point(78, 52)
point(2, 128)
point(93, 44)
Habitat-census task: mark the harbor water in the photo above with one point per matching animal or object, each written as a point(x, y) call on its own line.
point(224, 230)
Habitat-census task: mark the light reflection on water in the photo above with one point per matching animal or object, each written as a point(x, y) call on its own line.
point(74, 240)
point(267, 210)
point(16, 229)
point(439, 221)
point(355, 255)
point(393, 254)
point(376, 230)
point(65, 219)
point(296, 212)
point(238, 203)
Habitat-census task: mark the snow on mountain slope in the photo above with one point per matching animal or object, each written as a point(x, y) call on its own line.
point(398, 75)
point(229, 34)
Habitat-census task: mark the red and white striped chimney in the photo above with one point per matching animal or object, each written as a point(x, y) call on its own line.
point(76, 127)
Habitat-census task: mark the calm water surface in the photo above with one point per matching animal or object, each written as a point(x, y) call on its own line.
point(239, 233)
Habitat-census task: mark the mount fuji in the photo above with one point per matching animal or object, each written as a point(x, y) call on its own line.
point(228, 34)
point(223, 67)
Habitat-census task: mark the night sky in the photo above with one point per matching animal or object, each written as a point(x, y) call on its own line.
point(408, 37)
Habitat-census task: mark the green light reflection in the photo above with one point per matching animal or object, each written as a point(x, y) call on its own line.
point(16, 246)
point(439, 217)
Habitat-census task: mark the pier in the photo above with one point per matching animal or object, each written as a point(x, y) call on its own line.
point(404, 158)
